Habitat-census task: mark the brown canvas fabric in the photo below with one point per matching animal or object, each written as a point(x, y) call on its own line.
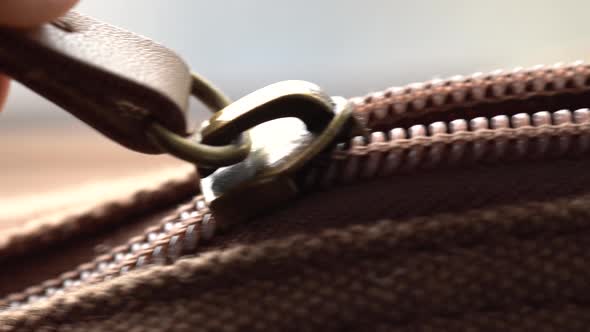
point(512, 268)
point(30, 223)
point(44, 235)
point(370, 256)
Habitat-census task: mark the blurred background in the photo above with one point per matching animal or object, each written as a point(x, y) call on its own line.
point(349, 47)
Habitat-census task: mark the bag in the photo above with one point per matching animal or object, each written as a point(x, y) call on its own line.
point(452, 205)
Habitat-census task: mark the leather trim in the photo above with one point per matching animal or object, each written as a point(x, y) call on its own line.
point(112, 79)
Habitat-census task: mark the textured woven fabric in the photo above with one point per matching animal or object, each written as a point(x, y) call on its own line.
point(96, 206)
point(508, 268)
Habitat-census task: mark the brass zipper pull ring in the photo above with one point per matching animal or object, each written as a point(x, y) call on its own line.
point(188, 148)
point(224, 139)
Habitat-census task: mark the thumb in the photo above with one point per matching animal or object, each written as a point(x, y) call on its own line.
point(27, 13)
point(3, 90)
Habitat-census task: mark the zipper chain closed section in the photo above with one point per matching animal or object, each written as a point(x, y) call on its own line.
point(177, 234)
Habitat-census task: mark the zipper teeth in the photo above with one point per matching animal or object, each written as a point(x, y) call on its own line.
point(176, 235)
point(521, 136)
point(386, 107)
point(383, 153)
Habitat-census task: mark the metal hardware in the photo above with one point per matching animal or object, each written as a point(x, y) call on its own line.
point(290, 123)
point(189, 148)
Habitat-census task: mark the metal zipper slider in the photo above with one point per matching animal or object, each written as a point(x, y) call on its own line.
point(290, 124)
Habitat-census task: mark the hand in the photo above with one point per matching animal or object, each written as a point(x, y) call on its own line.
point(28, 13)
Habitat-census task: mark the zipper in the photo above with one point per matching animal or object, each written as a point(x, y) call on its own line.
point(178, 233)
point(400, 140)
point(446, 144)
point(383, 108)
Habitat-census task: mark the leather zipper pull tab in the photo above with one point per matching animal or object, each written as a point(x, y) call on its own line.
point(291, 125)
point(114, 80)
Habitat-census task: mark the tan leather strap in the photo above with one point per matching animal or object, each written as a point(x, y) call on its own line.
point(112, 79)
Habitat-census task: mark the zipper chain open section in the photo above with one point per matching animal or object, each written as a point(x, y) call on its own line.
point(440, 144)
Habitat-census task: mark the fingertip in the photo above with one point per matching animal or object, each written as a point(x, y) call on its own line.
point(28, 13)
point(4, 85)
